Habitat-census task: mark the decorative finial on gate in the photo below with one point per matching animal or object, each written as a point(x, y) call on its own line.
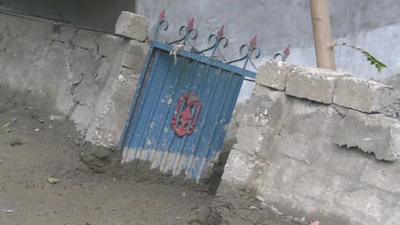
point(191, 24)
point(187, 33)
point(162, 16)
point(248, 52)
point(220, 33)
point(284, 54)
point(253, 42)
point(162, 24)
point(216, 40)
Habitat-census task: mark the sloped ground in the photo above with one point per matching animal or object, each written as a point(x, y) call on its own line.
point(33, 149)
point(36, 146)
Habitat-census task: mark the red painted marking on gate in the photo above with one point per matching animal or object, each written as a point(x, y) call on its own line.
point(186, 115)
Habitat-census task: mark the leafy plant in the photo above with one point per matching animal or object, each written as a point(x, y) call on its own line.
point(372, 59)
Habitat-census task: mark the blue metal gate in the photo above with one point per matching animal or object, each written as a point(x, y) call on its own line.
point(181, 111)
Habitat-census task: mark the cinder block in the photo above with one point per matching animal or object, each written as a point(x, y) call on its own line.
point(361, 95)
point(108, 44)
point(38, 30)
point(371, 133)
point(311, 184)
point(66, 33)
point(135, 56)
point(362, 205)
point(132, 26)
point(280, 176)
point(382, 175)
point(312, 84)
point(249, 140)
point(3, 25)
point(85, 39)
point(238, 168)
point(273, 75)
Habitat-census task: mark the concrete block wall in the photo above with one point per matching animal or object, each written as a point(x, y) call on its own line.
point(86, 76)
point(302, 152)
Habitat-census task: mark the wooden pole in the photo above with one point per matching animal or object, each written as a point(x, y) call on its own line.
point(323, 34)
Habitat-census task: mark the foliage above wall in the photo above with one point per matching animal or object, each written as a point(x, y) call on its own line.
point(372, 59)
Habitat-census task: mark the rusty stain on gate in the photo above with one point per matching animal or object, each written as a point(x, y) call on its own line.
point(184, 103)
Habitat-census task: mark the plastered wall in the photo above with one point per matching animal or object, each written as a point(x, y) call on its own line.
point(85, 76)
point(314, 145)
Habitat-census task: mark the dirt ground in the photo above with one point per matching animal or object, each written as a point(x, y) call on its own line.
point(49, 176)
point(34, 150)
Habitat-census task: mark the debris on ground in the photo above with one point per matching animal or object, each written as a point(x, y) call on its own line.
point(6, 125)
point(6, 210)
point(16, 142)
point(195, 222)
point(56, 118)
point(261, 199)
point(252, 207)
point(53, 180)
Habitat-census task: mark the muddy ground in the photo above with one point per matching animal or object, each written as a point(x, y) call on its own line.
point(49, 176)
point(34, 149)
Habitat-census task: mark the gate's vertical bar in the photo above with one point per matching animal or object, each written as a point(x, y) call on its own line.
point(206, 123)
point(153, 111)
point(136, 96)
point(183, 140)
point(202, 155)
point(206, 107)
point(231, 107)
point(168, 156)
point(205, 156)
point(198, 88)
point(163, 120)
point(164, 136)
point(159, 61)
point(218, 138)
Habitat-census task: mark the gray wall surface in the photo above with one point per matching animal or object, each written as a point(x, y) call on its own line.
point(85, 76)
point(309, 158)
point(98, 14)
point(371, 24)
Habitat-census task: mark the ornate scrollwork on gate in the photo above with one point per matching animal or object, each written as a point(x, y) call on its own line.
point(187, 40)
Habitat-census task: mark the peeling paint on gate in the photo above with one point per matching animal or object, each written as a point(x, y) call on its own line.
point(149, 134)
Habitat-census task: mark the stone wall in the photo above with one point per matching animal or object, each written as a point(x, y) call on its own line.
point(88, 77)
point(313, 145)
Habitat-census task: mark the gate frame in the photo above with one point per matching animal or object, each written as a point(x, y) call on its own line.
point(154, 45)
point(157, 46)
